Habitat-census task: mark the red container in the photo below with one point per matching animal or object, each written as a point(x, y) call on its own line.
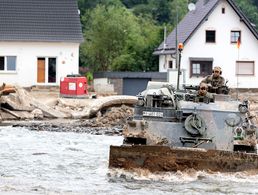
point(73, 86)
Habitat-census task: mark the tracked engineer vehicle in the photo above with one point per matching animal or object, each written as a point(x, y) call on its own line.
point(175, 130)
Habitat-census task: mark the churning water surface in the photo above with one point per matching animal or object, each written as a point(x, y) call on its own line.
point(41, 162)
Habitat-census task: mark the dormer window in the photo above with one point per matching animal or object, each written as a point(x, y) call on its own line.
point(234, 36)
point(210, 36)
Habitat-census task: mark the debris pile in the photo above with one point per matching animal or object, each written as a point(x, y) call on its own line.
point(112, 117)
point(6, 89)
point(18, 104)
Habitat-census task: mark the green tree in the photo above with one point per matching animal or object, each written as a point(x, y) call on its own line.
point(255, 2)
point(87, 4)
point(137, 55)
point(133, 3)
point(162, 11)
point(105, 34)
point(143, 10)
point(115, 39)
point(249, 9)
point(178, 9)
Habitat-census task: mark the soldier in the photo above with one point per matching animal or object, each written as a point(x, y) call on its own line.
point(203, 91)
point(215, 80)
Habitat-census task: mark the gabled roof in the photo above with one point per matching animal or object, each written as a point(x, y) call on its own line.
point(40, 20)
point(193, 20)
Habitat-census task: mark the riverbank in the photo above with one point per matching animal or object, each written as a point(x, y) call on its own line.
point(47, 104)
point(106, 122)
point(67, 125)
point(45, 109)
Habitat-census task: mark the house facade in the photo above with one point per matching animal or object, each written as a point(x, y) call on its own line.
point(216, 33)
point(39, 41)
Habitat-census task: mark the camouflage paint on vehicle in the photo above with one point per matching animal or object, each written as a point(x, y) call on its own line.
point(168, 123)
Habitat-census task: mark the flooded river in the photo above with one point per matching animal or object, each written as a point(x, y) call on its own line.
point(41, 162)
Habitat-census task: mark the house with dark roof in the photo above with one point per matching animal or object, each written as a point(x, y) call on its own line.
point(215, 33)
point(39, 41)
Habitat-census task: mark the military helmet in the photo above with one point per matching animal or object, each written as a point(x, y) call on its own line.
point(203, 85)
point(217, 68)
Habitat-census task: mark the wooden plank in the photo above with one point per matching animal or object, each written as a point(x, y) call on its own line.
point(11, 113)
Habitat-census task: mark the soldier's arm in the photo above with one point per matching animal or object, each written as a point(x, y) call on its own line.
point(222, 82)
point(205, 80)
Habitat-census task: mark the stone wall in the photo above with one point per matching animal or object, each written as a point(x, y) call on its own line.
point(118, 85)
point(103, 86)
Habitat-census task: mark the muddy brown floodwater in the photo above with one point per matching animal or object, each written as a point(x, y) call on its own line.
point(68, 163)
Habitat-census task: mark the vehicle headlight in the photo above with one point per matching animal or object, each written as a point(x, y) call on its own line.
point(232, 120)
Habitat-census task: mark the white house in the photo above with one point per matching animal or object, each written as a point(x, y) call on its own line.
point(210, 34)
point(39, 41)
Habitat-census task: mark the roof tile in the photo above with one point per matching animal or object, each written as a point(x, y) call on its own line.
point(40, 20)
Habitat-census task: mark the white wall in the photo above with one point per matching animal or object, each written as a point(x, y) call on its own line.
point(102, 85)
point(163, 63)
point(172, 77)
point(67, 55)
point(223, 52)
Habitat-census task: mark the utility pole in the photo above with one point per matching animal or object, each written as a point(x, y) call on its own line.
point(176, 38)
point(165, 36)
point(180, 49)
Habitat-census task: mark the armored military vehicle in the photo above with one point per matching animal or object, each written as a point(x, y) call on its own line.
point(178, 129)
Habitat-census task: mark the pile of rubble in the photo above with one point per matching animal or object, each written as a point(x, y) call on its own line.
point(114, 116)
point(18, 104)
point(109, 121)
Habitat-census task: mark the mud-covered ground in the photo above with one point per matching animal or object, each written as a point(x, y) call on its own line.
point(107, 122)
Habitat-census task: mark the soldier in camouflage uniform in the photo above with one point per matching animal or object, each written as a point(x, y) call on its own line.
point(215, 80)
point(203, 95)
point(203, 91)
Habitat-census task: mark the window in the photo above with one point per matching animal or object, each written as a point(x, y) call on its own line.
point(210, 36)
point(11, 63)
point(51, 70)
point(7, 63)
point(1, 63)
point(200, 68)
point(170, 64)
point(223, 10)
point(245, 68)
point(196, 68)
point(234, 35)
